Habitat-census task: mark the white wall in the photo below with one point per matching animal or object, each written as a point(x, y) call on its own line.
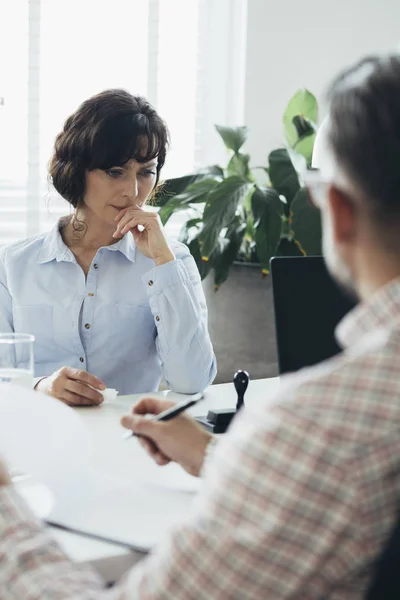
point(304, 43)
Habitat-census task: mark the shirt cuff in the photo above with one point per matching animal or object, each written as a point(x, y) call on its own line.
point(159, 278)
point(36, 380)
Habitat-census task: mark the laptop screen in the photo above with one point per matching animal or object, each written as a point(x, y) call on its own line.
point(308, 306)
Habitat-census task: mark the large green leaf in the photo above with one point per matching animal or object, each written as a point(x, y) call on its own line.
point(267, 210)
point(220, 209)
point(304, 127)
point(239, 165)
point(303, 104)
point(213, 171)
point(306, 131)
point(203, 266)
point(230, 252)
point(194, 193)
point(305, 147)
point(233, 137)
point(190, 230)
point(174, 205)
point(306, 224)
point(176, 185)
point(171, 187)
point(283, 175)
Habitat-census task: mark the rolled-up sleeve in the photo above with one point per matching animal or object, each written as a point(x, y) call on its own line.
point(179, 309)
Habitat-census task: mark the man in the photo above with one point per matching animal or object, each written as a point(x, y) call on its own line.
point(301, 494)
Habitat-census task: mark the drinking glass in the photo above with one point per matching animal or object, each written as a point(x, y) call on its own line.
point(16, 359)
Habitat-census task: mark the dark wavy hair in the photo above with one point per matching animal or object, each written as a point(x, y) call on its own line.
point(106, 131)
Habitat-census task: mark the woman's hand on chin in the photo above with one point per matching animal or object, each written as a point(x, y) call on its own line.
point(147, 231)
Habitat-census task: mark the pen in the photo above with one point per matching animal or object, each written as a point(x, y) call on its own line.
point(171, 412)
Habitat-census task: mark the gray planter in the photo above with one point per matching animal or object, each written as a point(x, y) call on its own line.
point(241, 323)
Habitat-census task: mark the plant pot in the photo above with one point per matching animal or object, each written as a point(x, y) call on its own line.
point(241, 323)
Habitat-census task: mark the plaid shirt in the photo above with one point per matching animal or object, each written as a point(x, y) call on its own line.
point(298, 498)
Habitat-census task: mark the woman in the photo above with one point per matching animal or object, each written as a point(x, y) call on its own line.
point(111, 302)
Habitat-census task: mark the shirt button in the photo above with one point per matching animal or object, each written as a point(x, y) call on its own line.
point(90, 294)
point(151, 282)
point(95, 266)
point(82, 359)
point(157, 318)
point(87, 326)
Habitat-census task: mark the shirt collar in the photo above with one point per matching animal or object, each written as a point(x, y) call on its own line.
point(378, 314)
point(126, 246)
point(54, 248)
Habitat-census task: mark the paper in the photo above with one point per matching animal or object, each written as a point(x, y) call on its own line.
point(109, 394)
point(37, 495)
point(44, 437)
point(135, 505)
point(131, 513)
point(170, 477)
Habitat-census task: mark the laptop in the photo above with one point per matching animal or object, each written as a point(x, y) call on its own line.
point(308, 306)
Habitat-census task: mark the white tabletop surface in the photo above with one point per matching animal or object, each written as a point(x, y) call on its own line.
point(102, 424)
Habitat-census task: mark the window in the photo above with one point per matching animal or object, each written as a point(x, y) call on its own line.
point(181, 54)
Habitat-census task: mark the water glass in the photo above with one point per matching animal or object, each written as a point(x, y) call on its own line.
point(16, 359)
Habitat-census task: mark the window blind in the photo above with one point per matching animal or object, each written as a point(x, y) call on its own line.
point(181, 54)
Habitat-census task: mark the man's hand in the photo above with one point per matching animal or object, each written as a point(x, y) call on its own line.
point(5, 478)
point(73, 386)
point(181, 439)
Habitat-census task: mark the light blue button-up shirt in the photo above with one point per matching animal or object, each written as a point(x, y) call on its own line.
point(129, 322)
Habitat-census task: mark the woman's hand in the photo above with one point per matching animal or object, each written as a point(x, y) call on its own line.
point(147, 231)
point(181, 439)
point(73, 386)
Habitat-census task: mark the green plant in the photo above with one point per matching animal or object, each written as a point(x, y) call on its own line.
point(234, 217)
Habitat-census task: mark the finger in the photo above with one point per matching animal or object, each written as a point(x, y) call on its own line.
point(141, 426)
point(128, 213)
point(74, 399)
point(125, 218)
point(121, 213)
point(122, 229)
point(145, 428)
point(161, 459)
point(83, 390)
point(151, 405)
point(137, 234)
point(138, 217)
point(131, 220)
point(149, 446)
point(132, 223)
point(86, 377)
point(153, 451)
point(140, 237)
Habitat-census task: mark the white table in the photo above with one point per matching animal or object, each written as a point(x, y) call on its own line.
point(102, 424)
